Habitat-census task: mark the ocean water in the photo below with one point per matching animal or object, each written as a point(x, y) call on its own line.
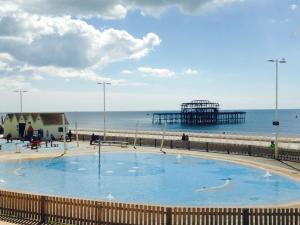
point(155, 179)
point(258, 122)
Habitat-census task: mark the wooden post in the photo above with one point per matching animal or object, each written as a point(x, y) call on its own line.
point(135, 136)
point(76, 129)
point(163, 137)
point(207, 146)
point(169, 216)
point(18, 149)
point(249, 150)
point(42, 208)
point(226, 149)
point(245, 216)
point(64, 133)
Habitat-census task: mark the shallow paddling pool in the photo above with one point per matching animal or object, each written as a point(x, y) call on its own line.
point(150, 178)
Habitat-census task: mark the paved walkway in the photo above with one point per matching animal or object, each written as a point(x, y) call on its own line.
point(259, 140)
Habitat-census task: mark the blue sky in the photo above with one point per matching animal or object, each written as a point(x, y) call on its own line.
point(171, 52)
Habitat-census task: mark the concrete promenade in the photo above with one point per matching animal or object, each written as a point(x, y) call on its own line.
point(284, 142)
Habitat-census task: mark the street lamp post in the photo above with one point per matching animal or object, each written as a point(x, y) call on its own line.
point(64, 133)
point(21, 98)
point(104, 110)
point(276, 122)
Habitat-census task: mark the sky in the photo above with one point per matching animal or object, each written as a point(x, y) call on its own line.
point(156, 54)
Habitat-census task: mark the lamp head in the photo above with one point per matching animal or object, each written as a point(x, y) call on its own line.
point(282, 60)
point(277, 60)
point(104, 82)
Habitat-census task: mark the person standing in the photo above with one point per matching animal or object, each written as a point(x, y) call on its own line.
point(70, 135)
point(29, 132)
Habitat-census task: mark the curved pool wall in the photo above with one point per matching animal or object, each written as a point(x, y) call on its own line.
point(22, 146)
point(150, 178)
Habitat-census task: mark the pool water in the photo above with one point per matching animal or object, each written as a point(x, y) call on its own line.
point(22, 146)
point(150, 178)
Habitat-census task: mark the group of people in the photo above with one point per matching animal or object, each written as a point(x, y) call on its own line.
point(185, 137)
point(39, 137)
point(94, 138)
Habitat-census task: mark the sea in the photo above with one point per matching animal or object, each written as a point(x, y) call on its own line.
point(258, 122)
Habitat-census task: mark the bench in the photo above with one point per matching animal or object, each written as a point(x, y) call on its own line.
point(123, 144)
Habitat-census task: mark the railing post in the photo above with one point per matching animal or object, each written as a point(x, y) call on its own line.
point(43, 213)
point(189, 145)
point(169, 216)
point(155, 143)
point(249, 150)
point(140, 141)
point(207, 146)
point(245, 216)
point(99, 213)
point(171, 144)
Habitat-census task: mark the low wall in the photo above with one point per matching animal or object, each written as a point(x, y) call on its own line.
point(226, 148)
point(59, 210)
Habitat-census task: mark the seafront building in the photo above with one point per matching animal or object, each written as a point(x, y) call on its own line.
point(17, 124)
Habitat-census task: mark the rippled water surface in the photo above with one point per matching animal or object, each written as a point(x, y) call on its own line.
point(150, 178)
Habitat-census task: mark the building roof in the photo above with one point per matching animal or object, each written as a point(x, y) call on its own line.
point(47, 118)
point(53, 119)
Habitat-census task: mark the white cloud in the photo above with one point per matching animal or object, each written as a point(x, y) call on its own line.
point(37, 77)
point(128, 83)
point(14, 83)
point(126, 72)
point(293, 7)
point(279, 21)
point(157, 72)
point(112, 9)
point(66, 42)
point(28, 73)
point(190, 71)
point(70, 73)
point(37, 46)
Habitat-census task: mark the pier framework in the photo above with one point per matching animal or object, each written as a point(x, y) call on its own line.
point(200, 112)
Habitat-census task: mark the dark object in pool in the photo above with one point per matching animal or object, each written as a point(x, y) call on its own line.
point(9, 138)
point(229, 178)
